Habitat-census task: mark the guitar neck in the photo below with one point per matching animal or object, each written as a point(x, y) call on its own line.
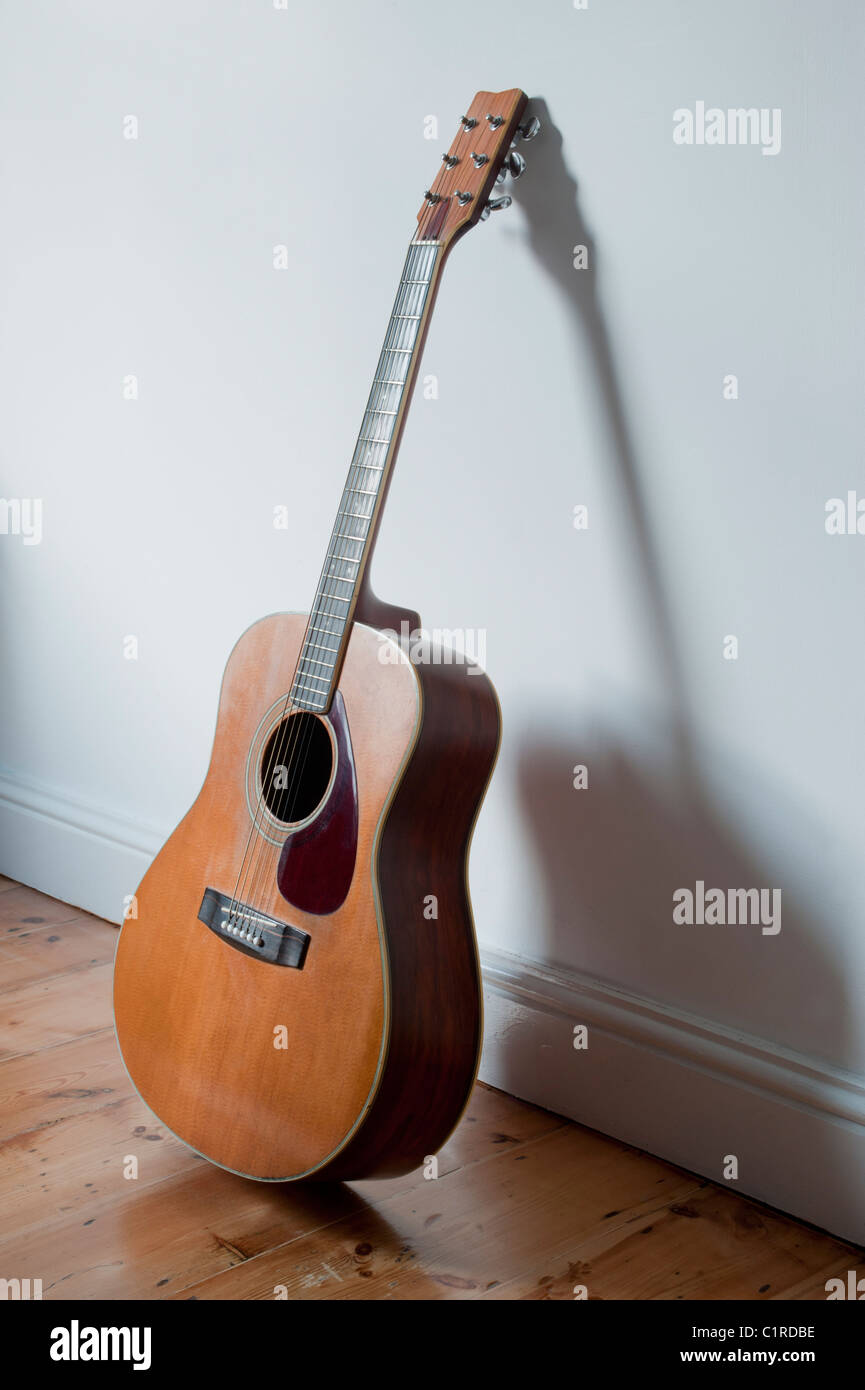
point(354, 529)
point(455, 201)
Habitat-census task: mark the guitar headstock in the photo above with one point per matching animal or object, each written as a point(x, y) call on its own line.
point(479, 153)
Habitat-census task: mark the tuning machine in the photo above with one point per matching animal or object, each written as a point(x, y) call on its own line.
point(529, 128)
point(496, 205)
point(513, 164)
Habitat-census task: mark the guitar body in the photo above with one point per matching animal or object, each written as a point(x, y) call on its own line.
point(353, 1054)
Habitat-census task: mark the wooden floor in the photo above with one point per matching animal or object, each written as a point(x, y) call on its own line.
point(526, 1204)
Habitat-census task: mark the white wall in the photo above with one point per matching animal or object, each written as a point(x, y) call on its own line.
point(153, 257)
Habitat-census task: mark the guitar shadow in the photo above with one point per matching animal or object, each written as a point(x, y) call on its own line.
point(610, 857)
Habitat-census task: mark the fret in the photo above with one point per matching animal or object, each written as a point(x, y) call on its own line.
point(363, 491)
point(358, 516)
point(328, 665)
point(415, 317)
point(379, 411)
point(307, 675)
point(328, 631)
point(338, 579)
point(300, 685)
point(373, 467)
point(364, 439)
point(331, 598)
point(388, 381)
point(408, 350)
point(320, 647)
point(345, 559)
point(345, 536)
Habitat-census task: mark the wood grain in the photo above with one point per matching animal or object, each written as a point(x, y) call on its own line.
point(526, 1205)
point(47, 1012)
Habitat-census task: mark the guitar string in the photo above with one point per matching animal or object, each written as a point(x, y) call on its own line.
point(393, 339)
point(419, 266)
point(322, 610)
point(297, 742)
point(400, 337)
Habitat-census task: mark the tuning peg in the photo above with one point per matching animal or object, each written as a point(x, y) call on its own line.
point(529, 129)
point(513, 164)
point(496, 205)
point(450, 160)
point(463, 198)
point(469, 122)
point(495, 121)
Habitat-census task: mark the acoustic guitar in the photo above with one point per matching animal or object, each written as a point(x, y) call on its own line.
point(296, 987)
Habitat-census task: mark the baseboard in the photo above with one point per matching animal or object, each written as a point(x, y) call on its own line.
point(85, 855)
point(687, 1089)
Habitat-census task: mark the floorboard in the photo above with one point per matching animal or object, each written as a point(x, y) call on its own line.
point(99, 1200)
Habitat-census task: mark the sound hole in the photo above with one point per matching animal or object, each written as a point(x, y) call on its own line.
point(296, 767)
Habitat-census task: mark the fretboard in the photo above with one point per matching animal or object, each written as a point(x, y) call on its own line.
point(318, 667)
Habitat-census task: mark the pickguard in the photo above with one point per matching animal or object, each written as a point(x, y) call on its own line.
point(317, 861)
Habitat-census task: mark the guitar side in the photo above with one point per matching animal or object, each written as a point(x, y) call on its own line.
point(436, 996)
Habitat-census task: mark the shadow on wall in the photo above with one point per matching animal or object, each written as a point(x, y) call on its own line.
point(611, 857)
